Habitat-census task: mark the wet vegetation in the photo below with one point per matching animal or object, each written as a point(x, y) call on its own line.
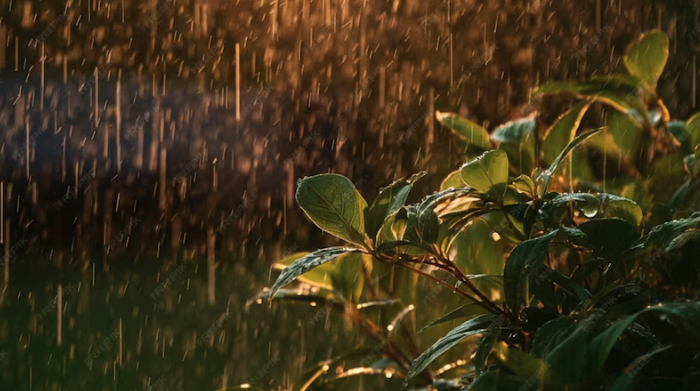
point(596, 290)
point(150, 153)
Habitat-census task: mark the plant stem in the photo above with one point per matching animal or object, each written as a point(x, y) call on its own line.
point(487, 304)
point(368, 279)
point(455, 271)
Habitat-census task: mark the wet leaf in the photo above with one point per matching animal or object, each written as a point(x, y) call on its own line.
point(468, 131)
point(646, 57)
point(547, 175)
point(520, 131)
point(621, 207)
point(495, 381)
point(521, 268)
point(563, 131)
point(483, 349)
point(422, 225)
point(551, 334)
point(678, 130)
point(692, 127)
point(389, 200)
point(308, 262)
point(620, 92)
point(319, 276)
point(521, 363)
point(471, 327)
point(466, 311)
point(454, 180)
point(334, 205)
point(571, 286)
point(524, 183)
point(487, 173)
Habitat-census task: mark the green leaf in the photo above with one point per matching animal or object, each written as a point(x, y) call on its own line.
point(454, 180)
point(571, 286)
point(626, 135)
point(551, 334)
point(517, 140)
point(618, 83)
point(513, 198)
point(692, 128)
point(600, 347)
point(477, 252)
point(483, 349)
point(307, 263)
point(621, 207)
point(319, 276)
point(524, 184)
point(468, 131)
point(579, 354)
point(691, 165)
point(547, 175)
point(552, 211)
point(422, 225)
point(684, 193)
point(390, 231)
point(470, 310)
point(619, 92)
point(389, 200)
point(682, 240)
point(487, 173)
point(563, 131)
point(521, 158)
point(568, 358)
point(517, 132)
point(471, 327)
point(495, 381)
point(334, 205)
point(603, 294)
point(600, 239)
point(521, 363)
point(522, 266)
point(497, 223)
point(665, 233)
point(646, 57)
point(678, 130)
point(626, 381)
point(606, 145)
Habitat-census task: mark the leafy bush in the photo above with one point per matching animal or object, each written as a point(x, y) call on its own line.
point(560, 290)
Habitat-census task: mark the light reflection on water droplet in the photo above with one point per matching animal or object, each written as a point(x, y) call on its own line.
point(589, 210)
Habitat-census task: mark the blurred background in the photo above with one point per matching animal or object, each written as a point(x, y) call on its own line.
point(149, 152)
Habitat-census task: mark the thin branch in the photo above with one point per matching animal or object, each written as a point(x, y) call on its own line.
point(492, 307)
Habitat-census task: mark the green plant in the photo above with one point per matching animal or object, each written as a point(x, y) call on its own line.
point(597, 290)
